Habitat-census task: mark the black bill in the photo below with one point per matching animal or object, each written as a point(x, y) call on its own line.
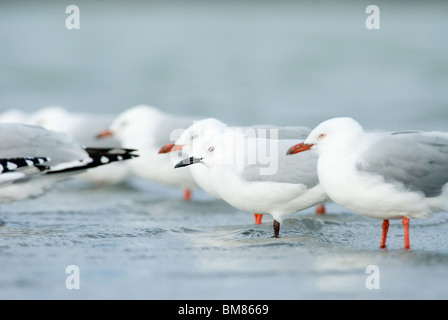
point(187, 162)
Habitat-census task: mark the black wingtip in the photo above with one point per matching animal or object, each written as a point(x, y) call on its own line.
point(102, 156)
point(115, 154)
point(12, 164)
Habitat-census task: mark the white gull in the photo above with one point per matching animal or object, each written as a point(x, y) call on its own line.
point(146, 128)
point(254, 175)
point(194, 137)
point(384, 175)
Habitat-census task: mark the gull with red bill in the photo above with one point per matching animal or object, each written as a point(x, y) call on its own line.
point(146, 129)
point(384, 175)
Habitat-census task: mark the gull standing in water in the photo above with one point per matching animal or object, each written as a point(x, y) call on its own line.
point(194, 137)
point(254, 175)
point(384, 175)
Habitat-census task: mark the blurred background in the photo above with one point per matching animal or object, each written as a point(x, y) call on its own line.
point(244, 62)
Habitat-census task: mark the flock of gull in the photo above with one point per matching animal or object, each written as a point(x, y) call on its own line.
point(261, 169)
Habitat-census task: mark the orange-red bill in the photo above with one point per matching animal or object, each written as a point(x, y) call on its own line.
point(171, 147)
point(167, 148)
point(103, 134)
point(300, 147)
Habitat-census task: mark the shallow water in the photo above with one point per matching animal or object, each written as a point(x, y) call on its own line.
point(136, 242)
point(286, 64)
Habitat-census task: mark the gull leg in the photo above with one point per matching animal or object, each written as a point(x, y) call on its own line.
point(258, 217)
point(276, 229)
point(406, 233)
point(384, 234)
point(187, 194)
point(320, 209)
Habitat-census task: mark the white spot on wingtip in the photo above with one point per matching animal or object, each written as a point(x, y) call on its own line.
point(104, 159)
point(42, 160)
point(11, 166)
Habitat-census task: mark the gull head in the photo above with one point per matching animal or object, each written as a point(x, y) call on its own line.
point(136, 123)
point(333, 134)
point(226, 148)
point(193, 138)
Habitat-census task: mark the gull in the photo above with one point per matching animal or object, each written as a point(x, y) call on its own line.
point(254, 175)
point(83, 126)
point(33, 160)
point(146, 128)
point(194, 137)
point(383, 175)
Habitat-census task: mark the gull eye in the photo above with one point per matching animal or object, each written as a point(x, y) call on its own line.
point(193, 137)
point(211, 149)
point(322, 135)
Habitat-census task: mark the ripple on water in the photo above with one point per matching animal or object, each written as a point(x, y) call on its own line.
point(135, 233)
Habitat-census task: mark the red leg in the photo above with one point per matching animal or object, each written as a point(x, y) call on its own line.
point(320, 209)
point(258, 217)
point(406, 233)
point(384, 234)
point(187, 194)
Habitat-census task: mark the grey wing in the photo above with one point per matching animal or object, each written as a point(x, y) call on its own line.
point(20, 140)
point(275, 166)
point(293, 133)
point(416, 160)
point(277, 132)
